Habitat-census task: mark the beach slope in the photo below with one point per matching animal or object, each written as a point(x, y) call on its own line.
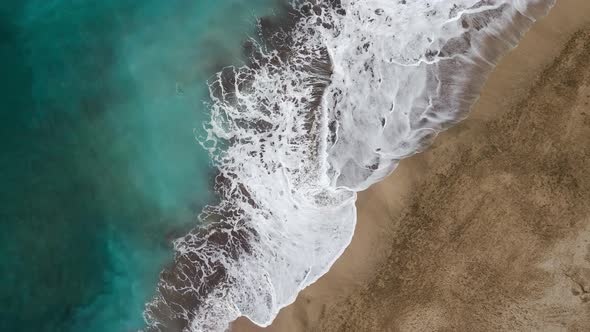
point(488, 230)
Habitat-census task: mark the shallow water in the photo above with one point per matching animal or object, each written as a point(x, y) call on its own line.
point(99, 166)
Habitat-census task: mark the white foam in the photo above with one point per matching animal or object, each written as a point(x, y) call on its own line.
point(402, 72)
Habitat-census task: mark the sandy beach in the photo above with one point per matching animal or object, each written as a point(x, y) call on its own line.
point(489, 229)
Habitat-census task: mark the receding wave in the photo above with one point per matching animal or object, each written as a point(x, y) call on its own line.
point(328, 104)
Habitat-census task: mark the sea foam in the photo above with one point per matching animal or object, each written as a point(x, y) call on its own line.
point(327, 106)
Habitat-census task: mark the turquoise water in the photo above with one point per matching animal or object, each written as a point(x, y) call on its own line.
point(99, 167)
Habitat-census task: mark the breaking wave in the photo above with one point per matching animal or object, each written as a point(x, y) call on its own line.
point(329, 103)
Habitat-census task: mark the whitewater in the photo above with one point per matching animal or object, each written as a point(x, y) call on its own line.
point(328, 105)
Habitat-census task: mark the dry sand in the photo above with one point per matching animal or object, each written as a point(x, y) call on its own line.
point(489, 230)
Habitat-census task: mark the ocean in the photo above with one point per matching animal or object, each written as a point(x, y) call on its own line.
point(99, 166)
point(114, 169)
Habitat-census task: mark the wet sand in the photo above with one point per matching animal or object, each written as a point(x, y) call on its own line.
point(488, 230)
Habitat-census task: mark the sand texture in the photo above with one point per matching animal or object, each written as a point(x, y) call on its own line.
point(488, 230)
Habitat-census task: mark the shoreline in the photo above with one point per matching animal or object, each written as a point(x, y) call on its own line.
point(353, 275)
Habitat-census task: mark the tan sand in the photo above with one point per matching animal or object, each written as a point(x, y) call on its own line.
point(489, 230)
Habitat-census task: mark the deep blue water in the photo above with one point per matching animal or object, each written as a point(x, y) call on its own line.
point(99, 167)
